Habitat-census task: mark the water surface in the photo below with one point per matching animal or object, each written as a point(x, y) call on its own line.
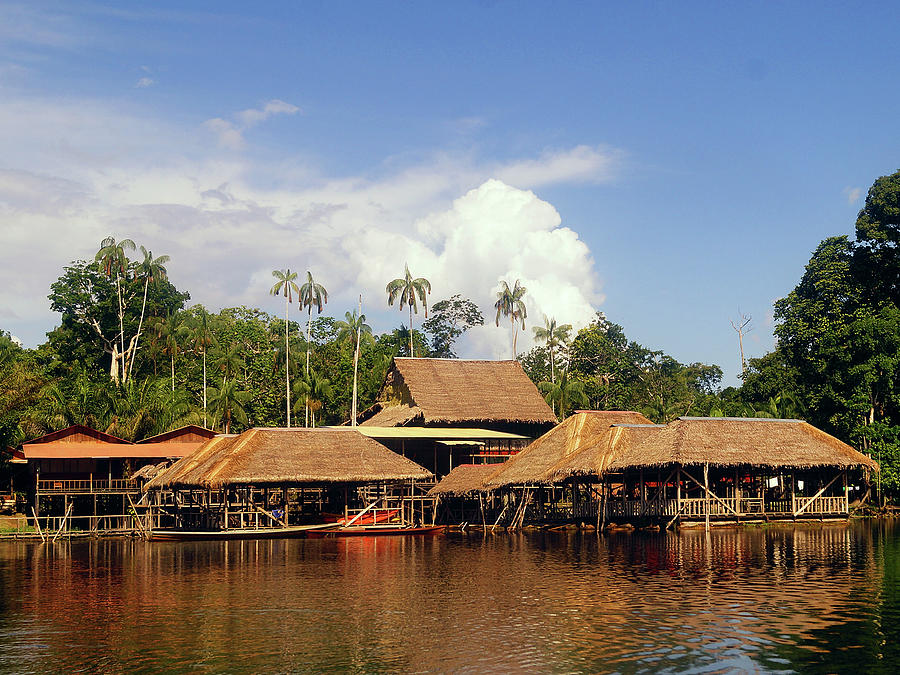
point(815, 598)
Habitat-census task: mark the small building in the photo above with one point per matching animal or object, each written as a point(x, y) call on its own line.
point(269, 478)
point(732, 469)
point(495, 395)
point(446, 412)
point(78, 464)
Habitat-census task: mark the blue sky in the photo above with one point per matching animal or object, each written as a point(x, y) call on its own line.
point(667, 163)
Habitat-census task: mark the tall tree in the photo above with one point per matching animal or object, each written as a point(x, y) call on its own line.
point(554, 337)
point(315, 389)
point(173, 332)
point(410, 292)
point(150, 269)
point(355, 328)
point(113, 260)
point(202, 338)
point(230, 404)
point(564, 394)
point(311, 295)
point(449, 320)
point(286, 283)
point(509, 303)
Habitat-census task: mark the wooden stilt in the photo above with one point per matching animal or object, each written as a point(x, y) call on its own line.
point(706, 496)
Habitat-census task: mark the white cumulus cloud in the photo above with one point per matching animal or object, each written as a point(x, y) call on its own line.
point(454, 220)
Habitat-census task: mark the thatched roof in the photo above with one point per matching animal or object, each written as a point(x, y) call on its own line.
point(441, 391)
point(581, 431)
point(183, 466)
point(595, 459)
point(743, 441)
point(149, 471)
point(296, 457)
point(463, 480)
point(383, 415)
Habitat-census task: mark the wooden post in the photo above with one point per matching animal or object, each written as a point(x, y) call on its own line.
point(706, 496)
point(483, 518)
point(226, 509)
point(846, 494)
point(678, 491)
point(737, 491)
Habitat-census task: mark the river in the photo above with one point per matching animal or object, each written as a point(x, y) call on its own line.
point(811, 598)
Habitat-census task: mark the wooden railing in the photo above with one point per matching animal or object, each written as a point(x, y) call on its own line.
point(695, 508)
point(820, 505)
point(88, 486)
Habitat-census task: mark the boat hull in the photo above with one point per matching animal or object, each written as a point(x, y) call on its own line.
point(226, 535)
point(431, 531)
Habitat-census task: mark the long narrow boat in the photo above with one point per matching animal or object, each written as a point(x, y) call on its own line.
point(221, 535)
point(376, 531)
point(374, 518)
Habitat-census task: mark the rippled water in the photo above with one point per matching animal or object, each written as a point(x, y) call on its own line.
point(806, 599)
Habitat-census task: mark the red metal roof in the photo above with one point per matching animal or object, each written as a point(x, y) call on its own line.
point(105, 450)
point(178, 435)
point(74, 430)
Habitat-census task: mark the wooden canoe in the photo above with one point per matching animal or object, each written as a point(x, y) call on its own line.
point(222, 535)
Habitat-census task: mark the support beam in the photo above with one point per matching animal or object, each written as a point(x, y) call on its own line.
point(816, 496)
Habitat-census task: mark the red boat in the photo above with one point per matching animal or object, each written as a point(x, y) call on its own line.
point(373, 518)
point(376, 531)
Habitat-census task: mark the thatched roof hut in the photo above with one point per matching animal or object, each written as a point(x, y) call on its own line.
point(583, 430)
point(742, 442)
point(441, 392)
point(293, 457)
point(465, 479)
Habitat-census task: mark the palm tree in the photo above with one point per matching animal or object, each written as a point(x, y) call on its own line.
point(311, 294)
point(509, 303)
point(286, 283)
point(112, 258)
point(230, 360)
point(409, 290)
point(202, 338)
point(314, 389)
point(553, 336)
point(565, 393)
point(151, 269)
point(229, 404)
point(354, 328)
point(172, 331)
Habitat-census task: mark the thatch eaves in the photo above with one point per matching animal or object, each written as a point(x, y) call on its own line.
point(448, 391)
point(463, 480)
point(539, 461)
point(174, 474)
point(595, 459)
point(778, 444)
point(382, 415)
point(299, 457)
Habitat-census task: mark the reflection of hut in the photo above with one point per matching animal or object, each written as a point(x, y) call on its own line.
point(269, 477)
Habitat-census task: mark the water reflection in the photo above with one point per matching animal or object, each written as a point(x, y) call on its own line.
point(812, 598)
